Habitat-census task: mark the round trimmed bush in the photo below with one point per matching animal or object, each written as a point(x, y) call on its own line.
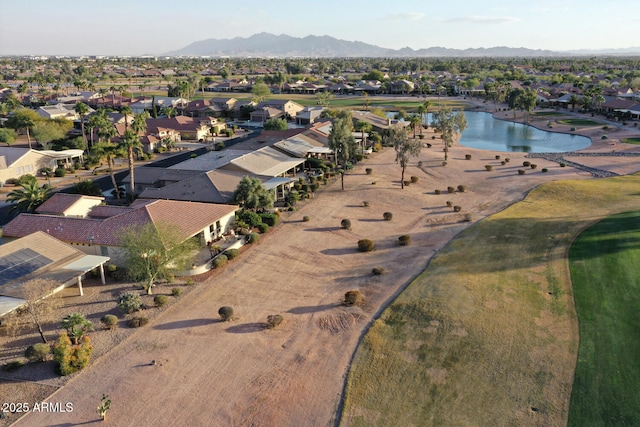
point(60, 172)
point(306, 218)
point(467, 156)
point(404, 240)
point(37, 352)
point(160, 300)
point(604, 137)
point(263, 228)
point(562, 164)
point(521, 171)
point(544, 170)
point(274, 320)
point(488, 167)
point(526, 164)
point(468, 217)
point(462, 188)
point(176, 292)
point(533, 166)
point(346, 224)
point(406, 183)
point(231, 253)
point(414, 179)
point(354, 297)
point(369, 171)
point(506, 159)
point(503, 163)
point(138, 322)
point(438, 192)
point(573, 129)
point(497, 156)
point(366, 204)
point(219, 261)
point(444, 163)
point(451, 189)
point(129, 302)
point(109, 321)
point(365, 245)
point(253, 238)
point(388, 216)
point(457, 208)
point(378, 271)
point(225, 313)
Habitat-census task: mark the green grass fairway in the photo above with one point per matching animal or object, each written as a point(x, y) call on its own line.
point(632, 141)
point(548, 113)
point(487, 335)
point(605, 271)
point(579, 122)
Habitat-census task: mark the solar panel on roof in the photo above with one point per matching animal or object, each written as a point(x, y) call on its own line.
point(20, 263)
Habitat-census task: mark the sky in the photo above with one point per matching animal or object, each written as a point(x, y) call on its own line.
point(139, 27)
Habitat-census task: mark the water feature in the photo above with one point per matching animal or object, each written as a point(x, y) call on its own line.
point(486, 133)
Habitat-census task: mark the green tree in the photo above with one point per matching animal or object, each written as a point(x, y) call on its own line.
point(449, 124)
point(8, 136)
point(324, 98)
point(276, 124)
point(29, 197)
point(37, 307)
point(77, 326)
point(46, 131)
point(573, 100)
point(405, 147)
point(82, 110)
point(24, 119)
point(342, 142)
point(154, 251)
point(71, 358)
point(251, 194)
point(86, 187)
point(365, 128)
point(260, 92)
point(415, 120)
point(105, 149)
point(168, 111)
point(131, 143)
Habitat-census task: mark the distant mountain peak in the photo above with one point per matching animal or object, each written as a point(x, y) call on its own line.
point(266, 44)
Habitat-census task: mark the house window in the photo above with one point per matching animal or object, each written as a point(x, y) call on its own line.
point(218, 225)
point(211, 228)
point(104, 251)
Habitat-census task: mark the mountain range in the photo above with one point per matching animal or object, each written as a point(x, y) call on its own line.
point(284, 46)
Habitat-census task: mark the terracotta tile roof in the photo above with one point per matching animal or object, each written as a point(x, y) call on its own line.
point(59, 203)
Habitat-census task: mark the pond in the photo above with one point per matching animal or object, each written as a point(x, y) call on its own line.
point(486, 133)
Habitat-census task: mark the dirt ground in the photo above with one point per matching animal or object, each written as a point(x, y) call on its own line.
point(207, 372)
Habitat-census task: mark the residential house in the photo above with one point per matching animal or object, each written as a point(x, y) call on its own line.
point(15, 162)
point(42, 256)
point(189, 128)
point(69, 205)
point(60, 111)
point(99, 232)
point(288, 107)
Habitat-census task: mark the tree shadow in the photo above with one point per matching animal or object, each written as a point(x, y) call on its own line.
point(322, 229)
point(247, 328)
point(311, 309)
point(180, 324)
point(340, 251)
point(97, 420)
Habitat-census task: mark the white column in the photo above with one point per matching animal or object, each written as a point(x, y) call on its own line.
point(102, 274)
point(80, 285)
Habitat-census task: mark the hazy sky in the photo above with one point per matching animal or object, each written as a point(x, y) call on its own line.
point(137, 27)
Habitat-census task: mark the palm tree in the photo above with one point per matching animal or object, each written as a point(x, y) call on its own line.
point(415, 120)
point(573, 100)
point(76, 325)
point(363, 127)
point(126, 111)
point(105, 149)
point(24, 119)
point(131, 143)
point(82, 110)
point(30, 197)
point(168, 111)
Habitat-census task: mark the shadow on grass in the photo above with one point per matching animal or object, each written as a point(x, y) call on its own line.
point(180, 324)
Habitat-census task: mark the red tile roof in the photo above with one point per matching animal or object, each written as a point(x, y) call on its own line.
point(59, 203)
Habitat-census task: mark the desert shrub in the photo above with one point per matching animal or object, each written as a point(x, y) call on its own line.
point(444, 163)
point(449, 203)
point(387, 216)
point(503, 163)
point(414, 179)
point(462, 188)
point(365, 245)
point(225, 313)
point(111, 269)
point(488, 167)
point(457, 208)
point(37, 352)
point(468, 217)
point(437, 191)
point(497, 156)
point(232, 253)
point(533, 166)
point(346, 224)
point(129, 302)
point(274, 320)
point(544, 170)
point(526, 164)
point(467, 156)
point(451, 189)
point(404, 240)
point(137, 322)
point(605, 127)
point(253, 238)
point(271, 219)
point(71, 358)
point(109, 321)
point(353, 297)
point(60, 172)
point(562, 164)
point(521, 171)
point(604, 137)
point(369, 171)
point(219, 261)
point(14, 365)
point(189, 282)
point(160, 300)
point(263, 228)
point(573, 129)
point(306, 218)
point(406, 183)
point(378, 271)
point(252, 219)
point(366, 203)
point(506, 159)
point(176, 292)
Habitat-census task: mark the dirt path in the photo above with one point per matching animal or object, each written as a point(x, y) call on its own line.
point(239, 374)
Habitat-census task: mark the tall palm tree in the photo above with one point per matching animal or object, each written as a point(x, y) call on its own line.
point(168, 111)
point(82, 110)
point(131, 143)
point(29, 197)
point(126, 111)
point(105, 149)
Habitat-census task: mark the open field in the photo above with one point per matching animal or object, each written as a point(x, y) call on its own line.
point(604, 264)
point(579, 122)
point(631, 140)
point(487, 335)
point(239, 374)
